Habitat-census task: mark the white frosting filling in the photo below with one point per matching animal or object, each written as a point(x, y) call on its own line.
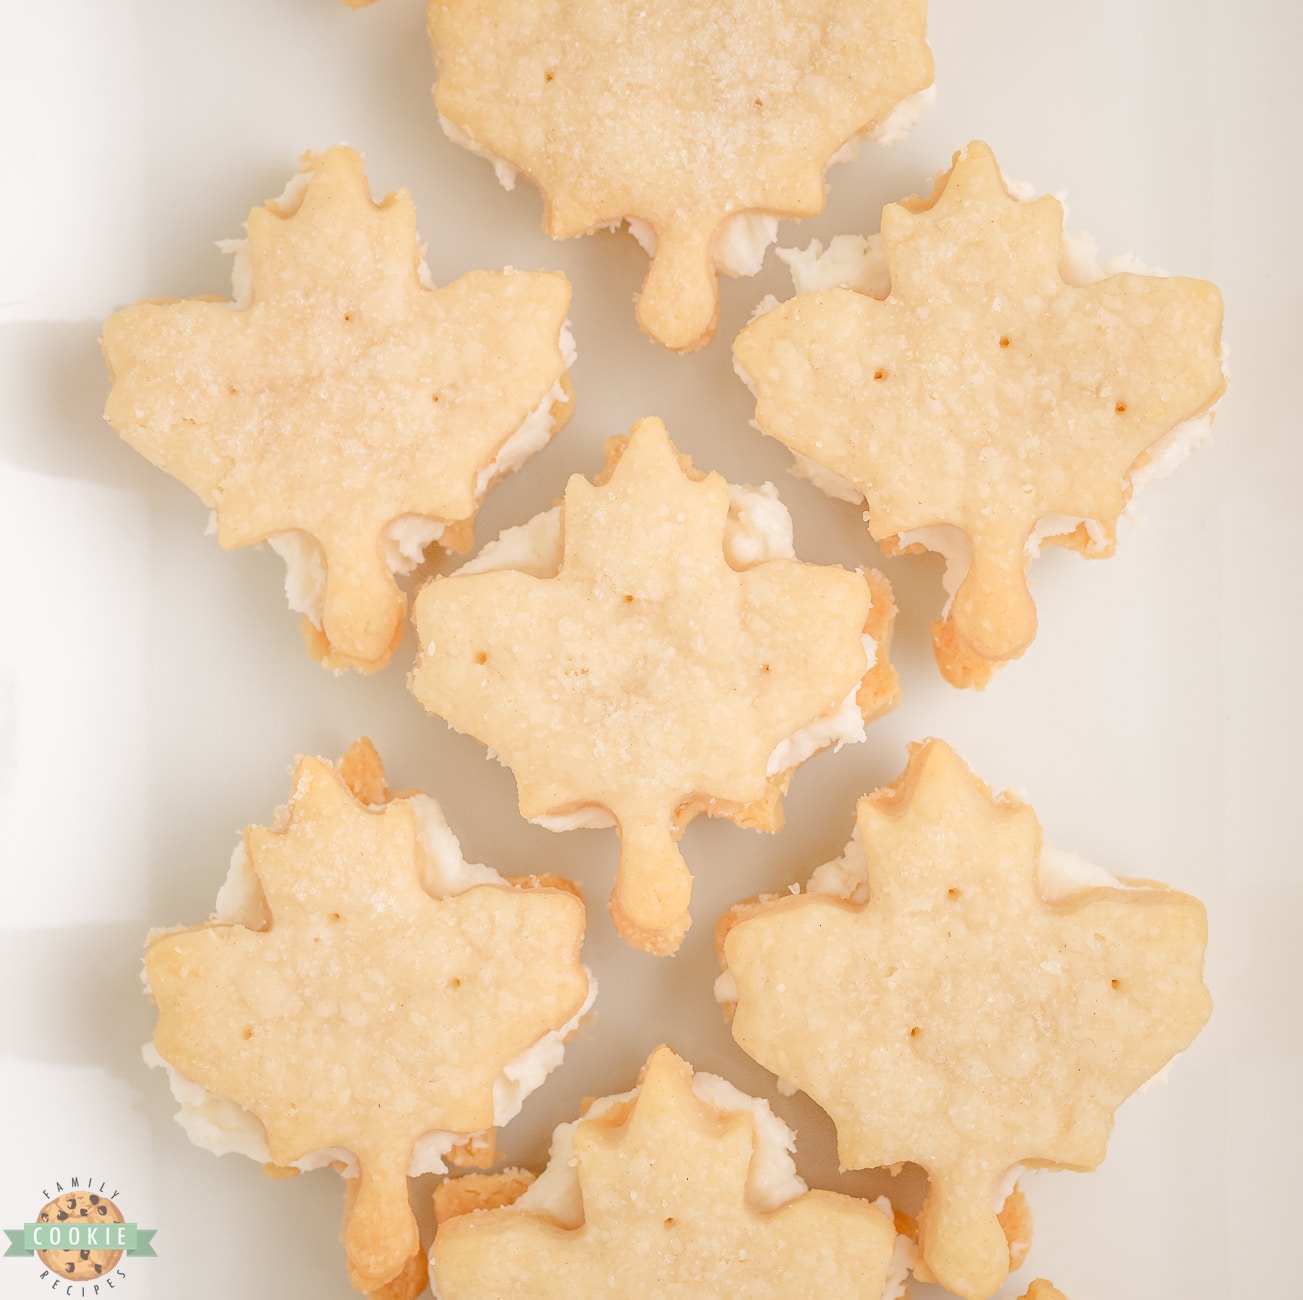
point(405, 540)
point(741, 242)
point(828, 481)
point(758, 528)
point(844, 727)
point(892, 129)
point(896, 125)
point(1004, 1188)
point(951, 542)
point(849, 262)
point(221, 1126)
point(502, 169)
point(903, 1259)
point(1056, 525)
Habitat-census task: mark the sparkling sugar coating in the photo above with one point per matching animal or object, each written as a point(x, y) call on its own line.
point(367, 1013)
point(985, 392)
point(346, 394)
point(679, 116)
point(648, 677)
point(666, 1213)
point(957, 1019)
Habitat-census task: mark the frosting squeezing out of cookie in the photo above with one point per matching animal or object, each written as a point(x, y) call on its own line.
point(342, 407)
point(985, 406)
point(957, 1018)
point(684, 118)
point(646, 677)
point(365, 1013)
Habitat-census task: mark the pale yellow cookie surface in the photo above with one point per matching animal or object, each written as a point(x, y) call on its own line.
point(648, 677)
point(367, 1012)
point(957, 1019)
point(346, 394)
point(666, 1213)
point(679, 115)
point(984, 393)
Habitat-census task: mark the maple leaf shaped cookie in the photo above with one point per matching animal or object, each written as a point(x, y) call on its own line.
point(985, 402)
point(649, 678)
point(956, 1018)
point(344, 408)
point(698, 122)
point(366, 1014)
point(666, 1211)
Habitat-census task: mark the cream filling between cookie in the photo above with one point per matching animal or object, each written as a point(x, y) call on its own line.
point(502, 169)
point(405, 538)
point(220, 1125)
point(857, 262)
point(758, 528)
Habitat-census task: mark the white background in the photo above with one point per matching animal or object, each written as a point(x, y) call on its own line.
point(153, 690)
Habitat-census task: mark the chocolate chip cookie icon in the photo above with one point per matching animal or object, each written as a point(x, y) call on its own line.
point(80, 1208)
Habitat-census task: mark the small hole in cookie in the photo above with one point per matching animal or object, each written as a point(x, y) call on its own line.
point(628, 600)
point(348, 316)
point(1004, 340)
point(481, 657)
point(879, 374)
point(1115, 984)
point(246, 1033)
point(232, 390)
point(454, 983)
point(547, 76)
point(1121, 408)
point(760, 103)
point(952, 893)
point(764, 668)
point(669, 1223)
point(914, 1033)
point(335, 916)
point(434, 397)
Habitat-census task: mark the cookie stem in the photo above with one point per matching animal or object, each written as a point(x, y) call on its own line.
point(380, 1233)
point(649, 903)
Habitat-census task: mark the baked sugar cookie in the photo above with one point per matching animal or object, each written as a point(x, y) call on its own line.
point(699, 124)
point(650, 651)
point(684, 1187)
point(342, 408)
point(363, 997)
point(954, 996)
point(983, 395)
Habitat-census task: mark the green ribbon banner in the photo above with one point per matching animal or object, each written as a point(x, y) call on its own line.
point(129, 1238)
